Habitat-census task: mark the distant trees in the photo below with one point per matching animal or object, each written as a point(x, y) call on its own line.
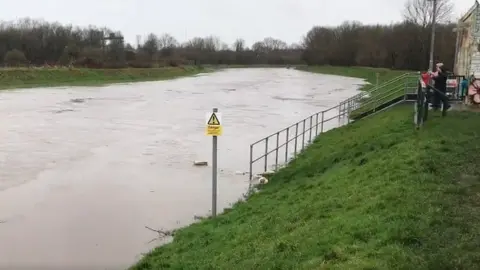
point(15, 58)
point(401, 46)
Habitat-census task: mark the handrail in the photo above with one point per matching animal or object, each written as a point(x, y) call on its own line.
point(306, 130)
point(381, 86)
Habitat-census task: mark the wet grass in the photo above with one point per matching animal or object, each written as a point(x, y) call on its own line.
point(384, 94)
point(42, 77)
point(367, 73)
point(376, 194)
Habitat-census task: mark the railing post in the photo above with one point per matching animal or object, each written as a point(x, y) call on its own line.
point(311, 127)
point(321, 125)
point(296, 136)
point(265, 166)
point(339, 110)
point(348, 111)
point(250, 171)
point(316, 125)
point(276, 152)
point(286, 146)
point(303, 133)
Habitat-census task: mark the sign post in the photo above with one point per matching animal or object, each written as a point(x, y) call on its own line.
point(214, 129)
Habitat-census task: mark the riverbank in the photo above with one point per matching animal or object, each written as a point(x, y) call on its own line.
point(376, 194)
point(11, 78)
point(367, 73)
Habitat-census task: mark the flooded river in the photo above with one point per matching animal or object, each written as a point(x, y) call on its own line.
point(83, 170)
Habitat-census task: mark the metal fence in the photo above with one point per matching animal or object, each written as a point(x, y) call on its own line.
point(277, 149)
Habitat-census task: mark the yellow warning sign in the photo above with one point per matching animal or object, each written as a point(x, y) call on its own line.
point(213, 124)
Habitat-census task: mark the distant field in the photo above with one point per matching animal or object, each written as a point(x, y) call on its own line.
point(42, 77)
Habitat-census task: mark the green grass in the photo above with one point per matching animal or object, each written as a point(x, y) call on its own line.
point(26, 78)
point(367, 73)
point(378, 97)
point(376, 194)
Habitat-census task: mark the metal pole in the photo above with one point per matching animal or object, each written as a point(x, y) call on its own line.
point(303, 133)
point(339, 111)
point(251, 164)
point(286, 146)
point(321, 125)
point(296, 136)
point(432, 41)
point(316, 125)
point(276, 151)
point(214, 173)
point(310, 135)
point(265, 166)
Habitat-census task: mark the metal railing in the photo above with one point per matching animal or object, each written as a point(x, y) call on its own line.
point(422, 104)
point(294, 138)
point(280, 147)
point(401, 86)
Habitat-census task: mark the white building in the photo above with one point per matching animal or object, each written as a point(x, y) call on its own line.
point(467, 57)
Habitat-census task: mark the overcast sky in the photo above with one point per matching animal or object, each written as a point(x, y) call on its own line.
point(251, 20)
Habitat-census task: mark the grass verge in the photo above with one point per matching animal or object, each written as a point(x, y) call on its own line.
point(367, 73)
point(376, 194)
point(28, 77)
point(384, 94)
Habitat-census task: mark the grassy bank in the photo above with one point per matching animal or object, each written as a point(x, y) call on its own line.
point(383, 94)
point(372, 195)
point(26, 78)
point(367, 73)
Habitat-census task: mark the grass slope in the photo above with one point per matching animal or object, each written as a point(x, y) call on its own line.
point(367, 73)
point(376, 194)
point(27, 78)
point(394, 90)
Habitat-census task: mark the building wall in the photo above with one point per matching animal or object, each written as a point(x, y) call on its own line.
point(475, 48)
point(468, 52)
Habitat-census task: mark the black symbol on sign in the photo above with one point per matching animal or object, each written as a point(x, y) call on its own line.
point(213, 121)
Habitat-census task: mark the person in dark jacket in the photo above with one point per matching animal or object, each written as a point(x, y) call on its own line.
point(440, 83)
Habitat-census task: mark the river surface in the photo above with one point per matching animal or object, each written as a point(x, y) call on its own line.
point(83, 170)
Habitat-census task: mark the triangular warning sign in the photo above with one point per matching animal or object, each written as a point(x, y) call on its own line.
point(213, 121)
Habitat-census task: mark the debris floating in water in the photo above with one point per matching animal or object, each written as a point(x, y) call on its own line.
point(200, 163)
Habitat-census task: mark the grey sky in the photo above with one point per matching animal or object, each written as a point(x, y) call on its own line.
point(252, 20)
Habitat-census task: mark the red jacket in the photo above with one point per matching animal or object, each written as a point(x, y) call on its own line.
point(426, 78)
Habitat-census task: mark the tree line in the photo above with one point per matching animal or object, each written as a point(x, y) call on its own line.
point(403, 45)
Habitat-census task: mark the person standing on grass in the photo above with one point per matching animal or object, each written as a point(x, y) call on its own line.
point(464, 87)
point(440, 83)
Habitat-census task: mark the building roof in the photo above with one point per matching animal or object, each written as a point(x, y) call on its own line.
point(469, 12)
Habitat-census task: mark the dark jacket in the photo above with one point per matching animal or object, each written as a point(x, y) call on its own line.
point(441, 81)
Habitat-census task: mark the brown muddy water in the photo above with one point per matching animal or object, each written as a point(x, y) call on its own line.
point(83, 170)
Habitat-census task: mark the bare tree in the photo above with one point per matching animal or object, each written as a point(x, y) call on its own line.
point(225, 47)
point(151, 44)
point(212, 43)
point(274, 44)
point(167, 41)
point(421, 11)
point(239, 45)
